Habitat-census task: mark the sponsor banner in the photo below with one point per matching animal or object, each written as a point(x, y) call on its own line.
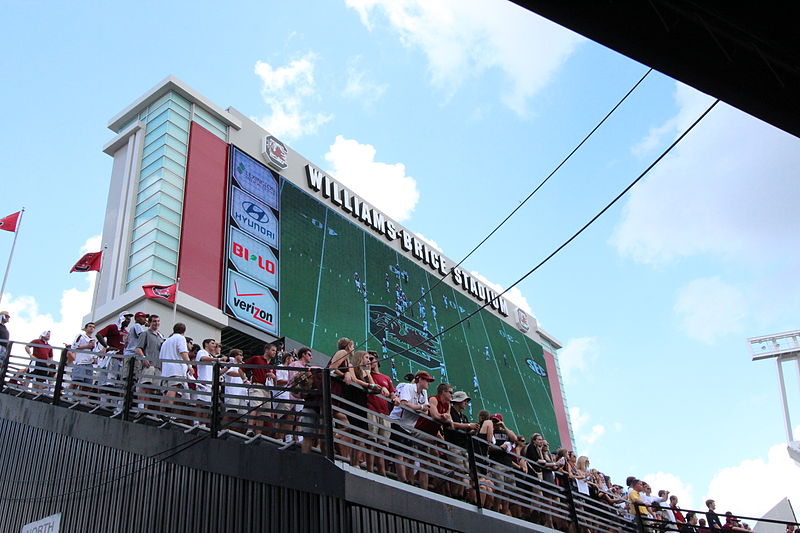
point(254, 217)
point(252, 258)
point(252, 303)
point(255, 178)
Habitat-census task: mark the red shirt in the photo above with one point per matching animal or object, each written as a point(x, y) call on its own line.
point(41, 351)
point(374, 401)
point(114, 337)
point(259, 374)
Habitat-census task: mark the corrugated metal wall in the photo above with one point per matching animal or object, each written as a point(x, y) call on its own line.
point(103, 489)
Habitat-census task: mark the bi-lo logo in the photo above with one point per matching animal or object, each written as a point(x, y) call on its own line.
point(264, 264)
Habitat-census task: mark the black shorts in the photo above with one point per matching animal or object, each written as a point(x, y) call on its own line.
point(398, 441)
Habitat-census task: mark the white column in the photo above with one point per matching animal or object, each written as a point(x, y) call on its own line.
point(786, 419)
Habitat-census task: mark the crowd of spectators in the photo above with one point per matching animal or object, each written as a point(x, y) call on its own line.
point(389, 429)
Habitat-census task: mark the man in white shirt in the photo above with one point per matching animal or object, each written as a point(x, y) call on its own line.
point(205, 373)
point(174, 356)
point(86, 347)
point(413, 400)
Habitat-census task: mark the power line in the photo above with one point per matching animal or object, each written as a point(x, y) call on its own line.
point(575, 235)
point(597, 126)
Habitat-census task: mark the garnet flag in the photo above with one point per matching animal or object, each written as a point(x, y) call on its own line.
point(9, 223)
point(166, 292)
point(88, 262)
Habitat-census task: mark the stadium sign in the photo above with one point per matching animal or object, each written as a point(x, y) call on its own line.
point(255, 178)
point(254, 217)
point(252, 303)
point(341, 197)
point(523, 323)
point(252, 258)
point(274, 152)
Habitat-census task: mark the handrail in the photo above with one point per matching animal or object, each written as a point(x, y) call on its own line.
point(273, 412)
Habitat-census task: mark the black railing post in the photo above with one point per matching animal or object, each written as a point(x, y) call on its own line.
point(127, 402)
point(639, 519)
point(473, 471)
point(215, 400)
point(4, 365)
point(573, 513)
point(59, 386)
point(327, 414)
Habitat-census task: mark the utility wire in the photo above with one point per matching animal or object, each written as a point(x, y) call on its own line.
point(574, 236)
point(597, 126)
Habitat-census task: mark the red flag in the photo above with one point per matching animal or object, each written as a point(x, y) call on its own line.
point(88, 262)
point(9, 223)
point(167, 292)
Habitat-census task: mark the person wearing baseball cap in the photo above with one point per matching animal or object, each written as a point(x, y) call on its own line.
point(135, 329)
point(413, 400)
point(456, 436)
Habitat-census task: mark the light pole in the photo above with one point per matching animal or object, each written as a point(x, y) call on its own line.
point(781, 347)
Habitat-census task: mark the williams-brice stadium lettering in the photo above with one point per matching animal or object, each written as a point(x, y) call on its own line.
point(350, 203)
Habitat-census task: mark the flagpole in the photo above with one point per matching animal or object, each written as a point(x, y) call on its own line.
point(175, 303)
point(97, 280)
point(11, 255)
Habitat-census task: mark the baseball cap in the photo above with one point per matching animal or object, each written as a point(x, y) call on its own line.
point(460, 396)
point(125, 314)
point(5, 313)
point(423, 375)
point(496, 416)
point(141, 314)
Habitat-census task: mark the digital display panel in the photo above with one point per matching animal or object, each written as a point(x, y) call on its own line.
point(338, 280)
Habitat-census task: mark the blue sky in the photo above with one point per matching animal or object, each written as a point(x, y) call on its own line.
point(448, 114)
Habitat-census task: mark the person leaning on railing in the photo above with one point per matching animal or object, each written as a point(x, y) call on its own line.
point(496, 434)
point(413, 399)
point(40, 350)
point(457, 435)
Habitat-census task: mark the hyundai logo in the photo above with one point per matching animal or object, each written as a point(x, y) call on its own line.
point(255, 212)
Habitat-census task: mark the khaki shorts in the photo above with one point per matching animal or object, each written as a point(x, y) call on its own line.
point(150, 376)
point(378, 427)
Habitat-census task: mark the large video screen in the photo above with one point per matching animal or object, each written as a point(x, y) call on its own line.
point(337, 280)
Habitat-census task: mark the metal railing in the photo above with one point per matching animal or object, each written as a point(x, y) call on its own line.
point(306, 412)
point(652, 518)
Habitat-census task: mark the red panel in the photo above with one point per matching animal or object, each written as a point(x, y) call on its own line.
point(558, 400)
point(203, 225)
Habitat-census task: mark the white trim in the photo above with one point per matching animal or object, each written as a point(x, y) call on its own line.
point(112, 146)
point(168, 84)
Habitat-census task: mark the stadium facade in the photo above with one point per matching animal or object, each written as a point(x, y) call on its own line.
point(267, 245)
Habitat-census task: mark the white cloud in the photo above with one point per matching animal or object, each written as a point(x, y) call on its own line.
point(287, 90)
point(514, 296)
point(465, 38)
point(360, 87)
point(430, 242)
point(385, 186)
point(729, 190)
point(598, 430)
point(575, 355)
point(676, 487)
point(28, 321)
point(584, 435)
point(709, 308)
point(754, 486)
point(578, 419)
